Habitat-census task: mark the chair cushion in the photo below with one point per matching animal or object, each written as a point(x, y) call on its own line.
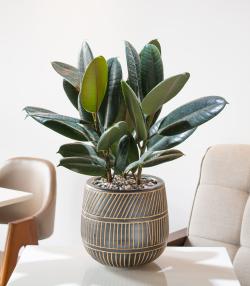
point(221, 210)
point(217, 213)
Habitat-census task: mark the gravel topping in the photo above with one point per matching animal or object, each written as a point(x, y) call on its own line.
point(119, 183)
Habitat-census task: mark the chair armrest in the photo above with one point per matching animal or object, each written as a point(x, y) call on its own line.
point(178, 238)
point(20, 233)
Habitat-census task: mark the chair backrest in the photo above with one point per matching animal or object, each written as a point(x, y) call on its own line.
point(36, 176)
point(221, 210)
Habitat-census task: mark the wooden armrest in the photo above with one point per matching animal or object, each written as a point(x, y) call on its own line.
point(20, 233)
point(178, 238)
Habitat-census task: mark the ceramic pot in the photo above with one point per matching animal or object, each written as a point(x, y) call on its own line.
point(125, 228)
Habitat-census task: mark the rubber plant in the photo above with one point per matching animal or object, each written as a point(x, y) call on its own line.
point(124, 218)
point(118, 131)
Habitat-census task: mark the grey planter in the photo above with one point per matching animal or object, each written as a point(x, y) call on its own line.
point(125, 228)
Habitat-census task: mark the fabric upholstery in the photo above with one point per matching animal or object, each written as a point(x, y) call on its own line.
point(36, 176)
point(221, 209)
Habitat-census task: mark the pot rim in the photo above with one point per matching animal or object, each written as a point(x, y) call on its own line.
point(160, 183)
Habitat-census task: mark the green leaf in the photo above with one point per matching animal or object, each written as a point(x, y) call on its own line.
point(76, 149)
point(69, 73)
point(111, 135)
point(191, 115)
point(133, 154)
point(84, 166)
point(85, 57)
point(163, 92)
point(84, 115)
point(156, 43)
point(94, 84)
point(71, 92)
point(151, 68)
point(159, 142)
point(47, 114)
point(113, 97)
point(122, 154)
point(135, 111)
point(157, 158)
point(134, 69)
point(127, 152)
point(133, 165)
point(54, 120)
point(151, 119)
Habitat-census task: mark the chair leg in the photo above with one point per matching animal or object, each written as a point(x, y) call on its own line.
point(20, 233)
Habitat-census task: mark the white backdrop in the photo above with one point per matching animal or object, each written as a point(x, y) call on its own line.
point(209, 39)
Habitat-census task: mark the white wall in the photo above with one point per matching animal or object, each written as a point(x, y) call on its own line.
point(210, 39)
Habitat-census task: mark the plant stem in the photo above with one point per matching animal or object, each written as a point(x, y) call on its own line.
point(94, 114)
point(109, 174)
point(138, 176)
point(142, 150)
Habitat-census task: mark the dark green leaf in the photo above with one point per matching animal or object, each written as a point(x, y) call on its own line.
point(122, 154)
point(151, 119)
point(85, 57)
point(71, 92)
point(67, 128)
point(134, 69)
point(156, 43)
point(113, 96)
point(135, 112)
point(76, 150)
point(191, 115)
point(159, 142)
point(151, 68)
point(111, 135)
point(94, 85)
point(84, 166)
point(47, 114)
point(127, 152)
point(71, 74)
point(163, 92)
point(157, 158)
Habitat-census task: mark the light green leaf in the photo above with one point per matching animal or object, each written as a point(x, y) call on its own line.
point(111, 135)
point(163, 92)
point(135, 112)
point(94, 85)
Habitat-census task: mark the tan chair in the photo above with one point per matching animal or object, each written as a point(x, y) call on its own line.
point(33, 219)
point(221, 209)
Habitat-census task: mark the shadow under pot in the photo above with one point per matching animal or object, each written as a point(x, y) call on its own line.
point(125, 228)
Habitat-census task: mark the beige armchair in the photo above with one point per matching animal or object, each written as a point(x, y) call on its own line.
point(31, 220)
point(221, 210)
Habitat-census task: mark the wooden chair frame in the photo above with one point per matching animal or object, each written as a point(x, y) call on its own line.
point(20, 233)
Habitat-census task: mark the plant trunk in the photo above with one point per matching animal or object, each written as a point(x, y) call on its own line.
point(138, 176)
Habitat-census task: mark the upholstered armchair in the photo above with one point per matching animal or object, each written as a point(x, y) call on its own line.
point(221, 210)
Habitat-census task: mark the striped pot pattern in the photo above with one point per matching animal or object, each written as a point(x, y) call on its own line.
point(125, 228)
